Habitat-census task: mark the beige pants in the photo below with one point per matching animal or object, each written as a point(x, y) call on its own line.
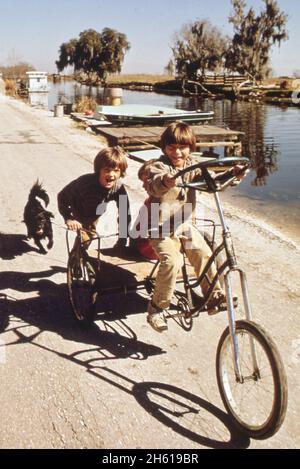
point(169, 251)
point(87, 237)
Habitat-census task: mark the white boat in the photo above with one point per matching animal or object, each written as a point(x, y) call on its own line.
point(141, 114)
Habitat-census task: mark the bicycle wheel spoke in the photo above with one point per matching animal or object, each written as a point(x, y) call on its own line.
point(79, 287)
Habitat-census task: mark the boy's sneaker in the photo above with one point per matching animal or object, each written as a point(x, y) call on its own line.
point(156, 318)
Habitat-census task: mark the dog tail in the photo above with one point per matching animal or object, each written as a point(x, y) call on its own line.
point(37, 190)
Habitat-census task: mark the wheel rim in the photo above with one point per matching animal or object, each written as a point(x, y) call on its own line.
point(186, 320)
point(79, 290)
point(251, 402)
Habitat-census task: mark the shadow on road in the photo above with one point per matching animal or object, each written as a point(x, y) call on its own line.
point(48, 309)
point(189, 415)
point(12, 246)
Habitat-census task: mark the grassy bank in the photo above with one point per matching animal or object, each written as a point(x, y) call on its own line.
point(141, 78)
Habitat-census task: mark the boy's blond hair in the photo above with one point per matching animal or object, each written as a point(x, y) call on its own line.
point(178, 133)
point(111, 157)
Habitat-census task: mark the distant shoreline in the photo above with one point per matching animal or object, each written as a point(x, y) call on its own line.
point(277, 90)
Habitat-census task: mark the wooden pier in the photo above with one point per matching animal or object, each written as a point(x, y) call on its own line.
point(139, 138)
point(136, 138)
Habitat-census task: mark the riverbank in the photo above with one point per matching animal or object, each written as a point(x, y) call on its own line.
point(277, 91)
point(115, 384)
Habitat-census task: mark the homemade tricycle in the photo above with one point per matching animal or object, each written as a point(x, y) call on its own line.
point(250, 372)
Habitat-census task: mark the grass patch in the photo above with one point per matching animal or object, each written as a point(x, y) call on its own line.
point(137, 78)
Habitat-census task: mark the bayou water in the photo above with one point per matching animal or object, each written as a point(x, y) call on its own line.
point(271, 193)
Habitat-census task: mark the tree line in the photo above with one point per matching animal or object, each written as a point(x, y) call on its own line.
point(200, 47)
point(197, 48)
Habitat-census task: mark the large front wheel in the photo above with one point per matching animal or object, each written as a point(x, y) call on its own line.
point(257, 402)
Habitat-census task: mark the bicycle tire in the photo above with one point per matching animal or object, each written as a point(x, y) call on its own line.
point(81, 291)
point(229, 389)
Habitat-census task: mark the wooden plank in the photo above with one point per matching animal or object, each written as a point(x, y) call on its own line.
point(120, 268)
point(126, 136)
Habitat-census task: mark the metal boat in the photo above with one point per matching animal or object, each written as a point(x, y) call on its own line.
point(140, 114)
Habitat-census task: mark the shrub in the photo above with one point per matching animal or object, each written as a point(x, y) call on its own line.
point(11, 87)
point(85, 103)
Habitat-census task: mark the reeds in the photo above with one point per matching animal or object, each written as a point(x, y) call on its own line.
point(137, 78)
point(11, 87)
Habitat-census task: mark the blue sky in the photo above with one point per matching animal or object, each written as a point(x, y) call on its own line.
point(32, 30)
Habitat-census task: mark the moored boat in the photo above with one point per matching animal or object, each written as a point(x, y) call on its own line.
point(140, 114)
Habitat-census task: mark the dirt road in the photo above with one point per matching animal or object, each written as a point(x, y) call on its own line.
point(117, 384)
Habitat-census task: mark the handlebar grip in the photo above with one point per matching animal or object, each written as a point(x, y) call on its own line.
point(215, 163)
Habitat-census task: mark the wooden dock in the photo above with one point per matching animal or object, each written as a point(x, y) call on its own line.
point(135, 138)
point(139, 138)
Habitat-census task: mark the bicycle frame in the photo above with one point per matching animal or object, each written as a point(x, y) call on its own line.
point(229, 267)
point(233, 267)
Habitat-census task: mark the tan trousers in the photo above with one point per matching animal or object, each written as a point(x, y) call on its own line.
point(169, 251)
point(86, 237)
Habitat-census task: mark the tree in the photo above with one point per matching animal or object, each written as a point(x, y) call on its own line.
point(114, 47)
point(197, 48)
point(169, 68)
point(254, 35)
point(66, 54)
point(94, 53)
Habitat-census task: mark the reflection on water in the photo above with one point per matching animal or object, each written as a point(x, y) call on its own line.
point(271, 140)
point(250, 118)
point(264, 160)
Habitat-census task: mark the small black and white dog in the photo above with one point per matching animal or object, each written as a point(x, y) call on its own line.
point(37, 218)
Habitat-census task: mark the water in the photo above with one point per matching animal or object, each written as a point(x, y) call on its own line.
point(272, 141)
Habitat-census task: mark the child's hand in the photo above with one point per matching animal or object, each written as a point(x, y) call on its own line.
point(169, 181)
point(73, 225)
point(240, 172)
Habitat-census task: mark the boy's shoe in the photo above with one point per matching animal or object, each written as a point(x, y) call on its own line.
point(218, 303)
point(156, 318)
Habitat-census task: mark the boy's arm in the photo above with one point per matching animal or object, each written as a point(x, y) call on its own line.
point(160, 181)
point(65, 201)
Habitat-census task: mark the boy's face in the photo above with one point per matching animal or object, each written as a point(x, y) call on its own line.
point(144, 179)
point(177, 154)
point(108, 177)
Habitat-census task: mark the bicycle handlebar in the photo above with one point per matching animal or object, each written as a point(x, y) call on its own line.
point(220, 182)
point(216, 164)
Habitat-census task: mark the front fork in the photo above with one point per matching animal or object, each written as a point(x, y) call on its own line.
point(233, 267)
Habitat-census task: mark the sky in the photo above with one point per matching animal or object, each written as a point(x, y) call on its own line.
point(33, 30)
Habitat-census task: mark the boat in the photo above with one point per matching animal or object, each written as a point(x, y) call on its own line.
point(140, 114)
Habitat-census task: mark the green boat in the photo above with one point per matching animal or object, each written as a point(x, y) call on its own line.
point(140, 114)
